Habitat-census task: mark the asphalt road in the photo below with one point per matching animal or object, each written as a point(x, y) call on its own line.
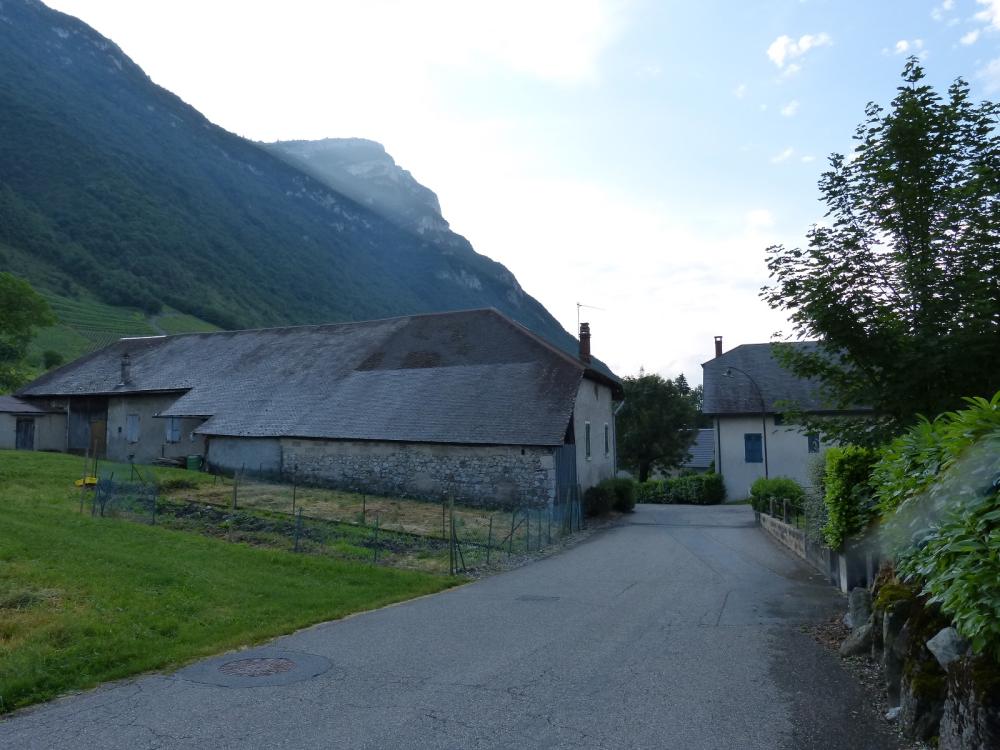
point(680, 628)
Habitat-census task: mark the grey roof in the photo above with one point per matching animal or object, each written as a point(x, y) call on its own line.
point(737, 395)
point(14, 405)
point(702, 450)
point(461, 377)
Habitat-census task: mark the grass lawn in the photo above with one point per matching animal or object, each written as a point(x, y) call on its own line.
point(84, 600)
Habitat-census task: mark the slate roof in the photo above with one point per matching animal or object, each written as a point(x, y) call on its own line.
point(736, 394)
point(702, 450)
point(472, 377)
point(14, 405)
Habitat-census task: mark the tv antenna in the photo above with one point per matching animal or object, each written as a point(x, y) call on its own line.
point(589, 307)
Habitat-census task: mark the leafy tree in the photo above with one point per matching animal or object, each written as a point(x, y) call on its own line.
point(21, 309)
point(900, 284)
point(657, 424)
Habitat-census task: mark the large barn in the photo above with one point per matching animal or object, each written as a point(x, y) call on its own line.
point(467, 403)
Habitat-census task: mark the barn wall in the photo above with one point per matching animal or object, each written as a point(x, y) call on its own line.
point(253, 455)
point(476, 475)
point(50, 431)
point(152, 441)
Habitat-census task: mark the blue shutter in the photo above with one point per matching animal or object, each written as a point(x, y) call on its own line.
point(753, 448)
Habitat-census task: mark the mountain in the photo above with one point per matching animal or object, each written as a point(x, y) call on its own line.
point(113, 191)
point(362, 170)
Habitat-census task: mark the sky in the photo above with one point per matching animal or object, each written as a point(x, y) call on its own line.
point(634, 156)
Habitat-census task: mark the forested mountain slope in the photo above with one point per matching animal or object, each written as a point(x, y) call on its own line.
point(113, 189)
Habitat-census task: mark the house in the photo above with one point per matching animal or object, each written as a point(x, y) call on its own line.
point(744, 391)
point(468, 403)
point(701, 454)
point(29, 426)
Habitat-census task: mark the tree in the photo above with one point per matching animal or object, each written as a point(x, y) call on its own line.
point(21, 309)
point(900, 284)
point(656, 425)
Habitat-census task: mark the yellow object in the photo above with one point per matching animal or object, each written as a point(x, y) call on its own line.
point(86, 482)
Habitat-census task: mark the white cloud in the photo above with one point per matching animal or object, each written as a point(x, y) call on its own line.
point(759, 218)
point(791, 108)
point(970, 38)
point(990, 15)
point(913, 47)
point(939, 12)
point(990, 75)
point(740, 91)
point(807, 159)
point(785, 155)
point(784, 49)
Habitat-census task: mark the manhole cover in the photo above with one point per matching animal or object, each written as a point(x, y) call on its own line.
point(257, 667)
point(261, 667)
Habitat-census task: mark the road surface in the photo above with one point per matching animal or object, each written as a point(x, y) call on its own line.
point(680, 628)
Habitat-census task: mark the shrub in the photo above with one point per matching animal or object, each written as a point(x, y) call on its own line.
point(910, 463)
point(624, 491)
point(813, 507)
point(598, 500)
point(652, 491)
point(847, 494)
point(696, 489)
point(940, 487)
point(778, 489)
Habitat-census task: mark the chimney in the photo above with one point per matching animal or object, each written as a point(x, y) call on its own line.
point(126, 369)
point(718, 346)
point(585, 342)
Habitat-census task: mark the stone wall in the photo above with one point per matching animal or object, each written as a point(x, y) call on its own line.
point(476, 475)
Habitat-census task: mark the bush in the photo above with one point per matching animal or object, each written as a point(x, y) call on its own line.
point(911, 462)
point(848, 493)
point(598, 500)
point(652, 491)
point(778, 489)
point(624, 492)
point(696, 489)
point(813, 507)
point(940, 486)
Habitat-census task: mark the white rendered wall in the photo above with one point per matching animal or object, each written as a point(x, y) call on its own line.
point(594, 405)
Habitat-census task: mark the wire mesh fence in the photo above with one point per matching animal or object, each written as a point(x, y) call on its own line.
point(438, 536)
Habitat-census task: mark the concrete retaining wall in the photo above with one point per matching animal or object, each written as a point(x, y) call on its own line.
point(855, 566)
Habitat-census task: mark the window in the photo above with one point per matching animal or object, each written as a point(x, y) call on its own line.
point(132, 428)
point(753, 448)
point(173, 429)
point(813, 442)
point(586, 433)
point(779, 419)
point(607, 440)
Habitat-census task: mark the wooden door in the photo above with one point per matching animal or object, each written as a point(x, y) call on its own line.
point(99, 438)
point(25, 435)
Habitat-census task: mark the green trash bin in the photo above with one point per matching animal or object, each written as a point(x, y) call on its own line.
point(194, 463)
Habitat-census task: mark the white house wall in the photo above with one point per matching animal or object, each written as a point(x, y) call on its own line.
point(254, 455)
point(787, 453)
point(593, 405)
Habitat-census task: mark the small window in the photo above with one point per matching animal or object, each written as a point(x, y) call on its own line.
point(607, 440)
point(173, 429)
point(779, 419)
point(132, 428)
point(753, 448)
point(586, 433)
point(813, 442)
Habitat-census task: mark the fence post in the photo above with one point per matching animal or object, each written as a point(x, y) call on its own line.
point(377, 517)
point(236, 481)
point(489, 541)
point(444, 501)
point(294, 478)
point(527, 530)
point(153, 496)
point(548, 519)
point(298, 528)
point(510, 539)
point(364, 509)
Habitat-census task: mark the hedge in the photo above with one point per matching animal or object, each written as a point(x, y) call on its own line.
point(778, 489)
point(696, 489)
point(610, 494)
point(848, 493)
